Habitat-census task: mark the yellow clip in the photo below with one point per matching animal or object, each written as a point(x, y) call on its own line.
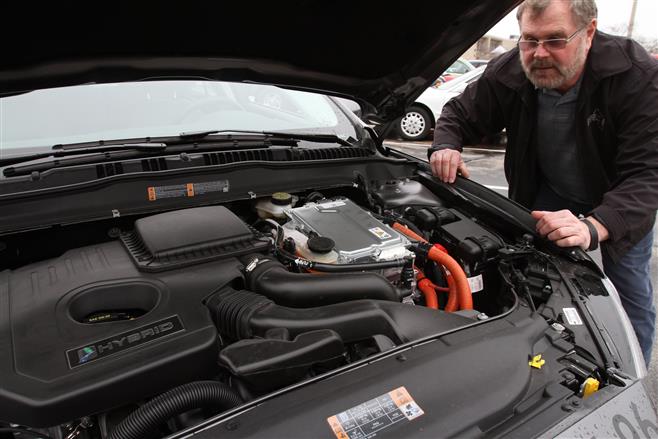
point(537, 362)
point(590, 386)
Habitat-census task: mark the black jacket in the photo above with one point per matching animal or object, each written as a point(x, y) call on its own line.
point(616, 130)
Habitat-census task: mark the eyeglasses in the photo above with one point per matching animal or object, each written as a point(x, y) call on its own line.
point(552, 44)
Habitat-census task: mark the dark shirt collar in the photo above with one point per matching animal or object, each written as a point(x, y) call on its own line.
point(568, 96)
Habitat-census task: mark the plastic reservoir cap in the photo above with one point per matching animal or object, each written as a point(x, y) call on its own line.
point(281, 198)
point(320, 244)
point(590, 386)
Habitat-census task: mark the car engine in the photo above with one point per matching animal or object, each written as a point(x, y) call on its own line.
point(187, 313)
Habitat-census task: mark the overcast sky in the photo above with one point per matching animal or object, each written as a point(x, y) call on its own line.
point(613, 14)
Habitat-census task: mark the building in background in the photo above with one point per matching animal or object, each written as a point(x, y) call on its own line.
point(489, 47)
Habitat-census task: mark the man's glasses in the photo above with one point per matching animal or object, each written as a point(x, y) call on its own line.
point(552, 44)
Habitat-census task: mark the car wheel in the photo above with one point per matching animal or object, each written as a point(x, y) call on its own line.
point(415, 124)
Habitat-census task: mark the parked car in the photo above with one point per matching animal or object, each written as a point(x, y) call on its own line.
point(420, 118)
point(198, 240)
point(456, 69)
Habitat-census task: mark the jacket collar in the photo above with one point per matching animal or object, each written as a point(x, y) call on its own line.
point(605, 58)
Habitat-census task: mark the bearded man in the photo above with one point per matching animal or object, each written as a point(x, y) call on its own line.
point(581, 112)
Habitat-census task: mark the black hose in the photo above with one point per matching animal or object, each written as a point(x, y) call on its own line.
point(303, 290)
point(244, 314)
point(314, 196)
point(178, 400)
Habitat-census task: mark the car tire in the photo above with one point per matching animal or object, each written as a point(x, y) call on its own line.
point(415, 124)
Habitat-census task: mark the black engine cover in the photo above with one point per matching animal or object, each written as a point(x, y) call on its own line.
point(55, 366)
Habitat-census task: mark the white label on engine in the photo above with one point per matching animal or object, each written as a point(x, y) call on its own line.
point(379, 233)
point(331, 204)
point(476, 283)
point(572, 316)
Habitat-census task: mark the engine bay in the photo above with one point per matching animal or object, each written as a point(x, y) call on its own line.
point(195, 311)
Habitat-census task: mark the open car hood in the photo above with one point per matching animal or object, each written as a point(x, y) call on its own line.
point(382, 57)
point(266, 270)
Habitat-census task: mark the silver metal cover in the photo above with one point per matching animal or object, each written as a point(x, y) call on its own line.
point(355, 231)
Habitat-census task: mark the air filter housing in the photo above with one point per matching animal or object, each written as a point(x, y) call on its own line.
point(190, 236)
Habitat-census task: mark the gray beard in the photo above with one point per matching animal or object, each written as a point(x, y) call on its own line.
point(566, 73)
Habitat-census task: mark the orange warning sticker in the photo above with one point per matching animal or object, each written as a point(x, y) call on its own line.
point(365, 420)
point(186, 190)
point(337, 428)
point(400, 396)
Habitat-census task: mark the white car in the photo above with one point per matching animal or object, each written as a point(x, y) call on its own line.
point(421, 117)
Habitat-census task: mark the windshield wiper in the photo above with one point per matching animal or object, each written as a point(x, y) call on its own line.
point(214, 136)
point(319, 138)
point(144, 147)
point(102, 150)
point(98, 154)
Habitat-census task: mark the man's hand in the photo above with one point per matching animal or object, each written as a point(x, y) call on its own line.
point(565, 229)
point(446, 163)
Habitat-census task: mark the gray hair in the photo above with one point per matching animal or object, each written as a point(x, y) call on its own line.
point(582, 11)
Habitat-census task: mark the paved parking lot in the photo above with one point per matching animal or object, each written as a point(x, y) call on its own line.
point(486, 167)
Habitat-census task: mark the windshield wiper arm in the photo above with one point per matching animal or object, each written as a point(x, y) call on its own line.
point(194, 135)
point(311, 137)
point(276, 138)
point(101, 146)
point(96, 154)
point(143, 147)
point(321, 138)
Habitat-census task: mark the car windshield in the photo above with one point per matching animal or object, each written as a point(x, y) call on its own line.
point(161, 108)
point(460, 67)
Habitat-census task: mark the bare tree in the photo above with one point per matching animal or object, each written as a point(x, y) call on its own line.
point(651, 44)
point(616, 29)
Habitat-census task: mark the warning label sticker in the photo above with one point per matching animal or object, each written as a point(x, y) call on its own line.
point(572, 316)
point(379, 233)
point(186, 190)
point(365, 420)
point(476, 283)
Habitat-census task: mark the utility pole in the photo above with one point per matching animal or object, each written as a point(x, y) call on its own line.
point(631, 21)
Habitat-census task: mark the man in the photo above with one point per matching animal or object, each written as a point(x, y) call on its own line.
point(581, 112)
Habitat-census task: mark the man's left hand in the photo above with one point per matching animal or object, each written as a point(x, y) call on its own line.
point(563, 228)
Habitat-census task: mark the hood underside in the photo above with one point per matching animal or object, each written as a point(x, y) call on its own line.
point(381, 56)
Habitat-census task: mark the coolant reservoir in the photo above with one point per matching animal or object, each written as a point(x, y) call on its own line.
point(324, 247)
point(273, 207)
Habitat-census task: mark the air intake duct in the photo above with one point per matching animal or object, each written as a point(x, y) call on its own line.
point(304, 290)
point(244, 314)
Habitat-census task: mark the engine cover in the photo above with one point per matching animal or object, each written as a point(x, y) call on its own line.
point(61, 357)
